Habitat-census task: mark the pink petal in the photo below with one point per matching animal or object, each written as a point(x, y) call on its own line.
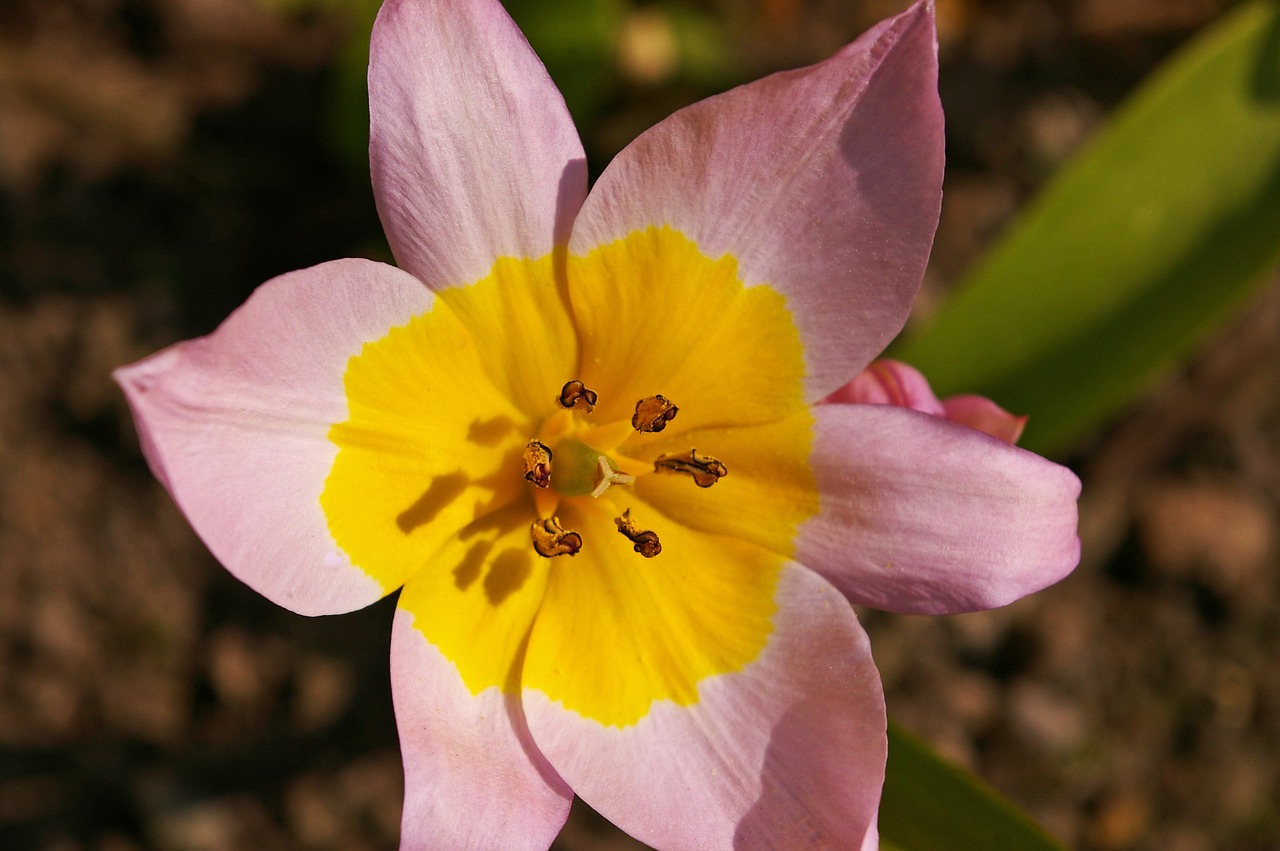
point(787, 753)
point(921, 516)
point(236, 425)
point(984, 415)
point(473, 152)
point(890, 382)
point(823, 182)
point(473, 777)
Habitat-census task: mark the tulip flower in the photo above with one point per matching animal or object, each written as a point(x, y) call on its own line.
point(586, 434)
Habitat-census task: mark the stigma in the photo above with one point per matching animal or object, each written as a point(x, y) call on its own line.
point(609, 477)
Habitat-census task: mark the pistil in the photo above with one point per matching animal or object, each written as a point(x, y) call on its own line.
point(609, 477)
point(582, 469)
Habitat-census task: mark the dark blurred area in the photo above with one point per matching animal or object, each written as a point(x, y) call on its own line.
point(161, 158)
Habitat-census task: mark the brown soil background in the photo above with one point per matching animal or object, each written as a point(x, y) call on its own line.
point(160, 158)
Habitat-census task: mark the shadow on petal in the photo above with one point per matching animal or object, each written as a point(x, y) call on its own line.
point(468, 570)
point(514, 706)
point(490, 432)
point(820, 783)
point(507, 573)
point(442, 491)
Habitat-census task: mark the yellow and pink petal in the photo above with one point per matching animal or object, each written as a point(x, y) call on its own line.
point(473, 153)
point(900, 510)
point(237, 426)
point(428, 445)
point(787, 750)
point(824, 183)
point(473, 776)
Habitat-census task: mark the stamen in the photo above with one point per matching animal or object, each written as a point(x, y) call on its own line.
point(646, 542)
point(652, 414)
point(550, 539)
point(574, 394)
point(537, 464)
point(609, 477)
point(706, 471)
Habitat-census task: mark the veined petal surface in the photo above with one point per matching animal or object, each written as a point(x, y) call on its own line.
point(919, 515)
point(473, 152)
point(788, 752)
point(236, 425)
point(823, 182)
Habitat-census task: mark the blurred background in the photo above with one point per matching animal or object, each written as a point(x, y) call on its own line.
point(161, 158)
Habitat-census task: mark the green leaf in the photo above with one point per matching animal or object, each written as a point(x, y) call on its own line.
point(706, 56)
point(931, 805)
point(575, 39)
point(1135, 252)
point(348, 107)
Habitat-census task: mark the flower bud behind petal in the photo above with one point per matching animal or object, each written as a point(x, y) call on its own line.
point(890, 382)
point(986, 416)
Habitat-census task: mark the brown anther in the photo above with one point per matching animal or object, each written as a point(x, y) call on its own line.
point(706, 471)
point(653, 413)
point(646, 542)
point(550, 539)
point(537, 463)
point(575, 394)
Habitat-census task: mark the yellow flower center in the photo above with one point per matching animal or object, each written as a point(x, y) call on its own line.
point(583, 470)
point(566, 406)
